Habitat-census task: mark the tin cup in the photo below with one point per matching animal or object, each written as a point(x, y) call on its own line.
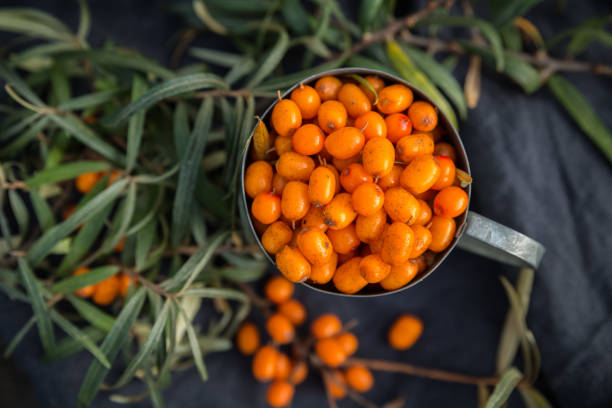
point(474, 232)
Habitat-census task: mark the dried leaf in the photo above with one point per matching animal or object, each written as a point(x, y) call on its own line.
point(533, 398)
point(471, 87)
point(530, 31)
point(262, 142)
point(464, 178)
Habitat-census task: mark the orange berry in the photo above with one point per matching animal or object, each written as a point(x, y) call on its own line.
point(294, 202)
point(321, 186)
point(376, 243)
point(308, 139)
point(398, 126)
point(394, 98)
point(292, 264)
point(335, 384)
point(359, 378)
point(125, 282)
point(278, 184)
point(86, 181)
point(299, 372)
point(420, 174)
point(447, 173)
point(422, 239)
point(283, 367)
point(368, 198)
point(345, 143)
point(258, 178)
point(247, 338)
point(315, 246)
point(370, 228)
point(314, 219)
point(328, 87)
point(349, 343)
point(375, 82)
point(279, 394)
point(339, 213)
point(427, 195)
point(373, 269)
point(371, 125)
point(331, 116)
point(392, 179)
point(400, 276)
point(423, 116)
point(276, 236)
point(278, 289)
point(354, 100)
point(405, 331)
point(85, 291)
point(294, 166)
point(330, 352)
point(378, 157)
point(397, 244)
point(264, 363)
point(343, 258)
point(342, 164)
point(424, 213)
point(344, 240)
point(445, 149)
point(353, 176)
point(286, 117)
point(322, 274)
point(293, 310)
point(283, 144)
point(106, 291)
point(307, 100)
point(450, 202)
point(326, 325)
point(334, 170)
point(442, 233)
point(411, 146)
point(348, 279)
point(266, 208)
point(401, 206)
point(280, 329)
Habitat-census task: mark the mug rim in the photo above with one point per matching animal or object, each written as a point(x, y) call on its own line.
point(456, 142)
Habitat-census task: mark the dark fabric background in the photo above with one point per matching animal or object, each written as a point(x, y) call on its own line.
point(533, 171)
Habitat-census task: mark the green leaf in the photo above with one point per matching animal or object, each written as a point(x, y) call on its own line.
point(167, 89)
point(111, 346)
point(505, 11)
point(365, 62)
point(367, 85)
point(284, 82)
point(149, 215)
point(584, 37)
point(180, 126)
point(20, 211)
point(583, 114)
point(533, 398)
point(226, 294)
point(16, 82)
point(22, 140)
point(135, 126)
point(32, 23)
point(367, 11)
point(91, 313)
point(84, 20)
point(220, 58)
point(43, 211)
point(87, 101)
point(43, 321)
point(195, 345)
point(200, 10)
point(65, 172)
point(144, 240)
point(150, 179)
point(19, 336)
point(154, 390)
point(508, 381)
point(188, 172)
point(68, 346)
point(73, 283)
point(121, 223)
point(245, 67)
point(512, 38)
point(295, 16)
point(271, 59)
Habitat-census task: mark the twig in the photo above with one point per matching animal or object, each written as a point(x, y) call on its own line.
point(255, 299)
point(192, 249)
point(145, 282)
point(331, 402)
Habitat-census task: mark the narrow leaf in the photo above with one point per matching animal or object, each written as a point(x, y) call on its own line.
point(471, 87)
point(367, 11)
point(271, 59)
point(180, 125)
point(20, 211)
point(23, 139)
point(505, 11)
point(69, 346)
point(91, 313)
point(154, 390)
point(216, 57)
point(508, 381)
point(135, 126)
point(87, 101)
point(283, 82)
point(533, 398)
point(202, 12)
point(295, 15)
point(19, 336)
point(43, 211)
point(195, 345)
point(16, 82)
point(66, 171)
point(95, 275)
point(262, 142)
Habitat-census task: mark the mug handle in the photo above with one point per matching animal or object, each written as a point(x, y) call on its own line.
point(492, 240)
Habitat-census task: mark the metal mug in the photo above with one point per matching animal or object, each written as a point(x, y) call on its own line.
point(475, 233)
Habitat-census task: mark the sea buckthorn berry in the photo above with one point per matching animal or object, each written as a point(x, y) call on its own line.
point(247, 338)
point(314, 219)
point(442, 233)
point(266, 208)
point(359, 378)
point(330, 352)
point(307, 99)
point(106, 291)
point(392, 179)
point(294, 311)
point(447, 173)
point(286, 117)
point(283, 367)
point(315, 246)
point(264, 363)
point(423, 116)
point(335, 384)
point(279, 394)
point(125, 282)
point(427, 195)
point(398, 241)
point(353, 176)
point(342, 164)
point(322, 274)
point(401, 206)
point(276, 236)
point(283, 144)
point(411, 146)
point(292, 264)
point(294, 166)
point(278, 289)
point(328, 87)
point(349, 343)
point(400, 276)
point(344, 240)
point(424, 213)
point(445, 149)
point(85, 291)
point(348, 279)
point(354, 100)
point(321, 186)
point(371, 125)
point(331, 116)
point(420, 174)
point(339, 213)
point(296, 233)
point(368, 198)
point(345, 143)
point(370, 228)
point(398, 126)
point(394, 98)
point(326, 325)
point(378, 157)
point(299, 372)
point(422, 239)
point(376, 244)
point(343, 258)
point(280, 328)
point(258, 178)
point(405, 331)
point(373, 269)
point(334, 170)
point(450, 202)
point(308, 139)
point(294, 202)
point(86, 181)
point(375, 82)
